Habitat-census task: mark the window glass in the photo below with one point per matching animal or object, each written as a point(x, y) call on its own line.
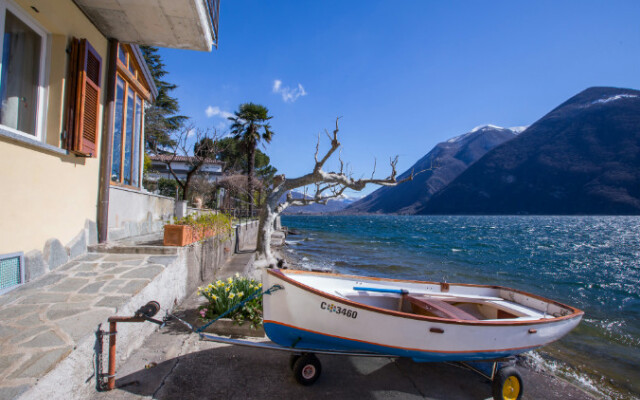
point(132, 67)
point(117, 131)
point(20, 75)
point(122, 56)
point(127, 138)
point(136, 142)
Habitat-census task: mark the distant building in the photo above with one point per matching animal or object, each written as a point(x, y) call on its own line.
point(211, 170)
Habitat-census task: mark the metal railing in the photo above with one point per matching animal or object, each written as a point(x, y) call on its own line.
point(241, 215)
point(213, 7)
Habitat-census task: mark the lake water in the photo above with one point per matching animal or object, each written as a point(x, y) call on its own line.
point(592, 263)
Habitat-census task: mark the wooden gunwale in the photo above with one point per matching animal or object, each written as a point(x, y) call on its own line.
point(576, 313)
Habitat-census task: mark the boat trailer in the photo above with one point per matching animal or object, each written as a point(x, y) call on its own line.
point(506, 381)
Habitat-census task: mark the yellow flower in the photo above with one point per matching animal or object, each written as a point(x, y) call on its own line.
point(210, 286)
point(214, 297)
point(230, 280)
point(240, 294)
point(237, 275)
point(231, 295)
point(259, 284)
point(250, 286)
point(219, 283)
point(227, 289)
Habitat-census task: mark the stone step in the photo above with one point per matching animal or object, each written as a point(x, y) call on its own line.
point(119, 249)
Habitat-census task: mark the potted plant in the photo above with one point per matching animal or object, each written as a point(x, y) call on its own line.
point(223, 296)
point(194, 228)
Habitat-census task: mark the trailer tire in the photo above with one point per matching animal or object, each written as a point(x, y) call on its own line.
point(292, 360)
point(307, 369)
point(507, 384)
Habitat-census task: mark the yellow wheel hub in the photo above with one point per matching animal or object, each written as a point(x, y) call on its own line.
point(511, 388)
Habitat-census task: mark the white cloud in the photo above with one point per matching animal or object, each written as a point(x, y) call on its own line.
point(212, 111)
point(289, 95)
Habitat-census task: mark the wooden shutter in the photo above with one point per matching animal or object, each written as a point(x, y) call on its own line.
point(84, 99)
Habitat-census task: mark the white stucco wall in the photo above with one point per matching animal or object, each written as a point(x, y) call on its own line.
point(133, 213)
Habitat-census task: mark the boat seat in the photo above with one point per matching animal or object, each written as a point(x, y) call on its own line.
point(425, 305)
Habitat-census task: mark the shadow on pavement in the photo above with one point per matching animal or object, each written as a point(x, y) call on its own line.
point(243, 373)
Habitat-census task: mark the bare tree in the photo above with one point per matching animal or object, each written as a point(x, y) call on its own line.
point(327, 185)
point(205, 149)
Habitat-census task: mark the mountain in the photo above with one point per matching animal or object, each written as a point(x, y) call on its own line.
point(448, 160)
point(333, 205)
point(583, 157)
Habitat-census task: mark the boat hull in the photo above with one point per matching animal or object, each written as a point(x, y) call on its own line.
point(299, 316)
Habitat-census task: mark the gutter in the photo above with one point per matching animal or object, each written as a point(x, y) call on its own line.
point(107, 145)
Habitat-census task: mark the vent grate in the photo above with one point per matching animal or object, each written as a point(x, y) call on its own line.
point(11, 271)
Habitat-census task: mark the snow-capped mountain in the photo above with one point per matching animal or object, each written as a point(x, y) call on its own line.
point(583, 157)
point(441, 165)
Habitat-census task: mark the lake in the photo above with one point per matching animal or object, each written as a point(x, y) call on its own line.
point(592, 263)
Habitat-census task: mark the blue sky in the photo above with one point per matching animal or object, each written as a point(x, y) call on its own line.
point(403, 75)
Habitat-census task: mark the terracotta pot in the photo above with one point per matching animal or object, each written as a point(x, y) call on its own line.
point(182, 235)
point(178, 235)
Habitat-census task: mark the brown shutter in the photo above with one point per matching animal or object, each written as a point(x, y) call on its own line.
point(84, 101)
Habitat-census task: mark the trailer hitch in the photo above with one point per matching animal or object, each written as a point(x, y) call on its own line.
point(144, 313)
point(148, 310)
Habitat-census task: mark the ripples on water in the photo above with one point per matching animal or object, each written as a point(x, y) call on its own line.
point(592, 263)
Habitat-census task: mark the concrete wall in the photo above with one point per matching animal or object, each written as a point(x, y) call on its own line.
point(205, 259)
point(247, 234)
point(47, 194)
point(133, 213)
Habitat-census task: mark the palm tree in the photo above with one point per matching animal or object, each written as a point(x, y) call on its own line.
point(249, 127)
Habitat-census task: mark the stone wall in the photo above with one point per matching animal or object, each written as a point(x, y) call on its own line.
point(55, 254)
point(134, 213)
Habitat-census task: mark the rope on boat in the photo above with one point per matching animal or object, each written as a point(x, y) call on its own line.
point(253, 295)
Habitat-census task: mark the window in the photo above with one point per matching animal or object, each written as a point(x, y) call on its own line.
point(83, 99)
point(117, 131)
point(22, 72)
point(130, 94)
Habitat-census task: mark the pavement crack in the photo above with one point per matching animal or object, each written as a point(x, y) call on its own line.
point(415, 386)
point(168, 374)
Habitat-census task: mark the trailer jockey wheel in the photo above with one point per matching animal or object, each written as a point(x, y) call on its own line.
point(307, 369)
point(507, 384)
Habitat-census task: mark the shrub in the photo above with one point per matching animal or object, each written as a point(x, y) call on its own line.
point(224, 295)
point(167, 187)
point(218, 224)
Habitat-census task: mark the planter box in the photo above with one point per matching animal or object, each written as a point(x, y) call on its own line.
point(228, 327)
point(182, 235)
point(177, 235)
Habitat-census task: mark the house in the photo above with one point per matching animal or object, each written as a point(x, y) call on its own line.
point(211, 170)
point(73, 89)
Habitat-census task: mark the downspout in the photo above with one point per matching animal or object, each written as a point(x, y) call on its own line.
point(107, 145)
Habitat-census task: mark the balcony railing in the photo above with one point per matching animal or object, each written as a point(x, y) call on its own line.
point(213, 7)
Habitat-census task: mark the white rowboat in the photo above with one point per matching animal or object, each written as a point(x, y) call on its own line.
point(426, 321)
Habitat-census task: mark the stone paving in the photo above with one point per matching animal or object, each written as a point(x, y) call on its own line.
point(43, 320)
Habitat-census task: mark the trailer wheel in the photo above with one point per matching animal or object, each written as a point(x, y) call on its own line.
point(507, 384)
point(292, 360)
point(307, 369)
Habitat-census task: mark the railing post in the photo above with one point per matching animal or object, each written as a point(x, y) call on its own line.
point(111, 378)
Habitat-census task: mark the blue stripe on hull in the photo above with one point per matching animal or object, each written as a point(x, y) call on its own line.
point(291, 337)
